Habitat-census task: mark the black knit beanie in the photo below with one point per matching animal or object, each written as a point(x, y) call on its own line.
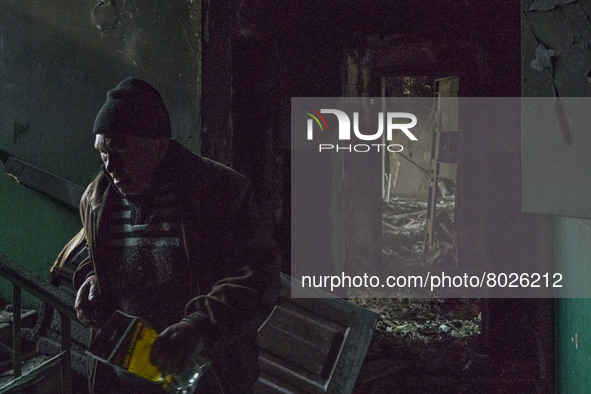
point(134, 107)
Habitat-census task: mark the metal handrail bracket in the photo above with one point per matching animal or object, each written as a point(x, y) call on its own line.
point(22, 278)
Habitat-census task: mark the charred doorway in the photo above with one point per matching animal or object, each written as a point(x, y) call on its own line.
point(419, 184)
point(414, 226)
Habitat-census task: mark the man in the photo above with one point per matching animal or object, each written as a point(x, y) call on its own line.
point(172, 238)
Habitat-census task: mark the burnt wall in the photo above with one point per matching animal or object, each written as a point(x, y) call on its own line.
point(556, 59)
point(57, 60)
point(280, 50)
point(284, 49)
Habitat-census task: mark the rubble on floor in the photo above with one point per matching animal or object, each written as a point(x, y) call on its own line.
point(420, 344)
point(403, 233)
point(419, 338)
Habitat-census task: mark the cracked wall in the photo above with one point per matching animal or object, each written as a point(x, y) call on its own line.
point(556, 62)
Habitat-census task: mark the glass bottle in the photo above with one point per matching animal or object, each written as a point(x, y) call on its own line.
point(185, 382)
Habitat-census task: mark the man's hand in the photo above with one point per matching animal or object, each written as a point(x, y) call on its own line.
point(87, 302)
point(174, 346)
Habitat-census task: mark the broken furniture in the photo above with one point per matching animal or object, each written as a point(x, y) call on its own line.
point(313, 345)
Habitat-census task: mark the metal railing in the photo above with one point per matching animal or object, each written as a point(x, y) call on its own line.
point(23, 279)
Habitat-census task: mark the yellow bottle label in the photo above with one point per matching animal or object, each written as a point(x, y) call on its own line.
point(139, 361)
point(125, 342)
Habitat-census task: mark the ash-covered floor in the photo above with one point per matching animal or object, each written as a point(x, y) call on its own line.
point(420, 345)
point(403, 235)
point(423, 346)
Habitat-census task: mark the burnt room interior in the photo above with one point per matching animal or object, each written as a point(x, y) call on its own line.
point(228, 70)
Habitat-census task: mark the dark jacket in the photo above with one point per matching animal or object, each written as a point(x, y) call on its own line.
point(232, 267)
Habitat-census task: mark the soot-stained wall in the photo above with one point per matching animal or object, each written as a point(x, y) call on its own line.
point(556, 61)
point(57, 60)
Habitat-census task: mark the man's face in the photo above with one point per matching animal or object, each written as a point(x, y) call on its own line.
point(130, 160)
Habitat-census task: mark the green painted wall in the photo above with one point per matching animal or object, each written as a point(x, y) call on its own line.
point(34, 229)
point(573, 316)
point(554, 28)
point(57, 61)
